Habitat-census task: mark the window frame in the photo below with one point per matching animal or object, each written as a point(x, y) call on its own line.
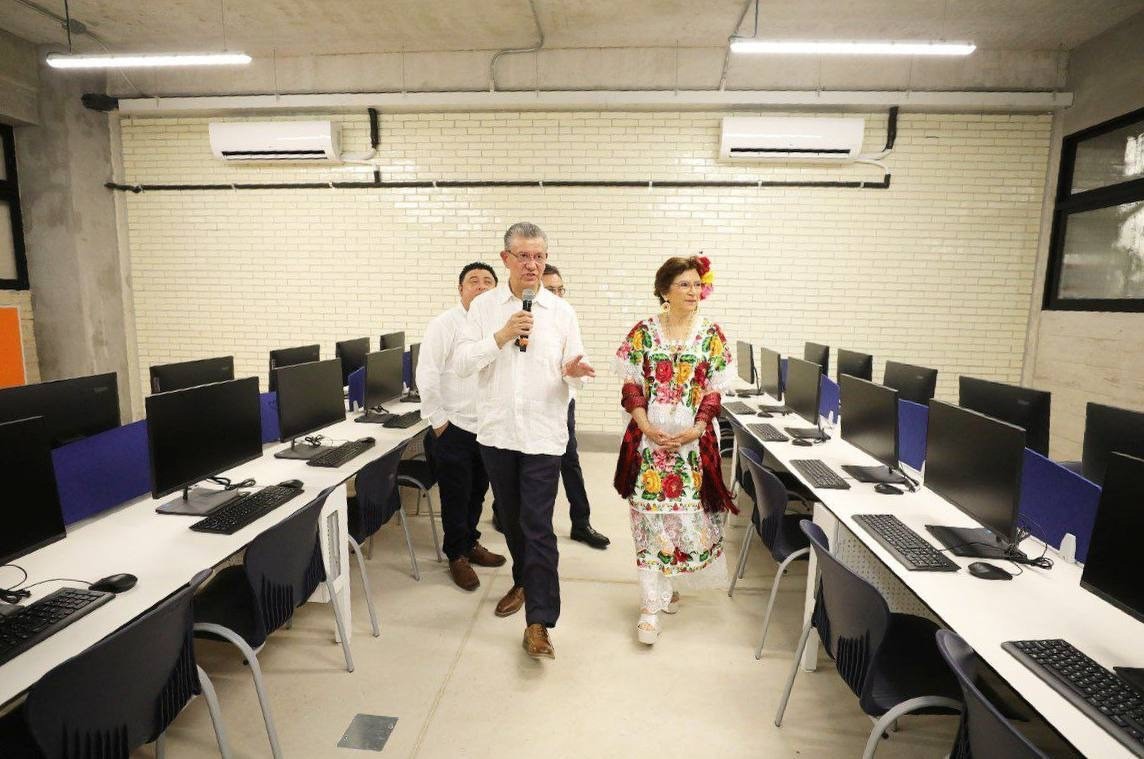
point(10, 194)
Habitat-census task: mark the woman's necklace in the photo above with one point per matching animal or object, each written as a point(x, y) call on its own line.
point(675, 336)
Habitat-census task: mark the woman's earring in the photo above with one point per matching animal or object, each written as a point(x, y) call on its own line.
point(664, 306)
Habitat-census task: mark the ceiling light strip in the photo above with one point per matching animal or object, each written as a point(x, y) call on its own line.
point(163, 60)
point(793, 47)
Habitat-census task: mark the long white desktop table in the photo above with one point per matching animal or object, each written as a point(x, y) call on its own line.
point(165, 554)
point(1036, 604)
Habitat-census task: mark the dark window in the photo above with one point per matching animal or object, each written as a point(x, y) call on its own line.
point(1096, 253)
point(13, 264)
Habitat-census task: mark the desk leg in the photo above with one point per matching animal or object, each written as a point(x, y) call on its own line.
point(829, 525)
point(734, 466)
point(335, 553)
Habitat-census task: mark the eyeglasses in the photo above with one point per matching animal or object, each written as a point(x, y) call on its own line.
point(556, 290)
point(688, 285)
point(529, 258)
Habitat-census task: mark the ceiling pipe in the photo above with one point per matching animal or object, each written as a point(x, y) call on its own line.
point(734, 35)
point(516, 51)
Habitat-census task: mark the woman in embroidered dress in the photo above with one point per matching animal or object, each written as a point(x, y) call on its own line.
point(674, 367)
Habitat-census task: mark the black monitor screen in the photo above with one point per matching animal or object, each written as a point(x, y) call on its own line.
point(200, 431)
point(414, 355)
point(974, 462)
point(1108, 429)
point(913, 383)
point(391, 340)
point(770, 373)
point(383, 376)
point(352, 355)
point(1021, 406)
point(870, 418)
point(168, 377)
point(860, 365)
point(31, 505)
point(309, 397)
point(72, 409)
point(745, 361)
point(817, 354)
point(303, 354)
point(1113, 569)
point(802, 386)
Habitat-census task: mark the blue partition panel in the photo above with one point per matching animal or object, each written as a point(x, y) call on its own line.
point(357, 388)
point(782, 370)
point(1055, 501)
point(269, 418)
point(103, 471)
point(913, 421)
point(407, 369)
point(828, 397)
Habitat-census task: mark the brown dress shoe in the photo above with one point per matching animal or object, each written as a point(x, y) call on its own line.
point(463, 574)
point(536, 642)
point(483, 557)
point(511, 602)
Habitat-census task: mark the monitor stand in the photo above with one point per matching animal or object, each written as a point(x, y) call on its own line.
point(975, 542)
point(199, 501)
point(748, 393)
point(300, 451)
point(411, 397)
point(807, 433)
point(875, 474)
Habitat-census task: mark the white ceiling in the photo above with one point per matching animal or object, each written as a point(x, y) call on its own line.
point(309, 27)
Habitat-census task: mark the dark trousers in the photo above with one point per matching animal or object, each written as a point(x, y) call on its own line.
point(524, 486)
point(463, 483)
point(578, 508)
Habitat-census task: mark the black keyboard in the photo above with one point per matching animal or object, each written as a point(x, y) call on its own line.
point(1106, 699)
point(907, 546)
point(335, 457)
point(402, 421)
point(819, 474)
point(37, 621)
point(229, 519)
point(737, 407)
point(767, 433)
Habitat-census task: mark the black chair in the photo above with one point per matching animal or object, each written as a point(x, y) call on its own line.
point(118, 695)
point(744, 441)
point(890, 661)
point(244, 604)
point(990, 735)
point(778, 530)
point(417, 472)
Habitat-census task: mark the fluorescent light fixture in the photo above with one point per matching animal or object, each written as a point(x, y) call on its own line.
point(59, 61)
point(783, 47)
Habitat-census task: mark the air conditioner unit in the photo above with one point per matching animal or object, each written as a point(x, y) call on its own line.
point(275, 141)
point(791, 138)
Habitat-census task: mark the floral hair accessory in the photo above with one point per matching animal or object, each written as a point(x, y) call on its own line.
point(706, 276)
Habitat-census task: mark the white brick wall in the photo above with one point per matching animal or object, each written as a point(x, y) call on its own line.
point(936, 270)
point(22, 300)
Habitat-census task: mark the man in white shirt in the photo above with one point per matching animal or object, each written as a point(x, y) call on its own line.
point(525, 363)
point(449, 403)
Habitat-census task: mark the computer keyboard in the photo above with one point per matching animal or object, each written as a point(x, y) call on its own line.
point(819, 474)
point(1106, 699)
point(767, 433)
point(401, 421)
point(335, 457)
point(37, 621)
point(235, 515)
point(737, 407)
point(907, 546)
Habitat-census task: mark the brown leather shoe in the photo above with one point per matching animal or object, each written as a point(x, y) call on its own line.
point(483, 557)
point(536, 642)
point(511, 602)
point(463, 574)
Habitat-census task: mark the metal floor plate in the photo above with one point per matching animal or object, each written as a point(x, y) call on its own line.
point(368, 732)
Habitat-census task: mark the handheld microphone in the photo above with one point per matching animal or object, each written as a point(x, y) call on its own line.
point(526, 297)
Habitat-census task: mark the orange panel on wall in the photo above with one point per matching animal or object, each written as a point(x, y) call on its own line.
point(11, 348)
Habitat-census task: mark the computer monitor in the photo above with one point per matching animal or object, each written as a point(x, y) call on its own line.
point(974, 462)
point(352, 355)
point(860, 365)
point(771, 373)
point(309, 398)
point(31, 513)
point(168, 377)
point(817, 354)
point(870, 422)
point(72, 408)
point(303, 354)
point(1108, 429)
point(197, 432)
point(1112, 570)
point(391, 340)
point(383, 377)
point(1021, 406)
point(913, 383)
point(744, 359)
point(414, 357)
point(802, 388)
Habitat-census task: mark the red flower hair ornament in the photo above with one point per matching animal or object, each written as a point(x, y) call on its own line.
point(706, 276)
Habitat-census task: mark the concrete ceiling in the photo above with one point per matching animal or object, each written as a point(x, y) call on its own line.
point(316, 27)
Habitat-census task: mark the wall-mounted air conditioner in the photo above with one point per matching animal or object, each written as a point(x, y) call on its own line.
point(791, 138)
point(275, 141)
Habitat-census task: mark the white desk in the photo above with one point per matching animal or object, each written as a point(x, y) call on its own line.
point(165, 554)
point(1036, 604)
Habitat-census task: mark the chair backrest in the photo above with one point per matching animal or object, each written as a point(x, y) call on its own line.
point(770, 503)
point(122, 692)
point(284, 566)
point(377, 497)
point(991, 736)
point(746, 442)
point(850, 614)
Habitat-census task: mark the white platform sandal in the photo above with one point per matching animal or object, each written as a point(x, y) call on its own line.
point(647, 630)
point(673, 607)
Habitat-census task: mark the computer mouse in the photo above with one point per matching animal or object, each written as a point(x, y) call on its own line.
point(296, 484)
point(886, 488)
point(801, 442)
point(987, 571)
point(764, 414)
point(115, 583)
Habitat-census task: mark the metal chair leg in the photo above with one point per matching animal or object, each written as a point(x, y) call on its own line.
point(369, 547)
point(341, 626)
point(774, 594)
point(887, 719)
point(356, 549)
point(417, 510)
point(255, 672)
point(433, 525)
point(409, 544)
point(793, 671)
point(161, 746)
point(215, 711)
point(742, 565)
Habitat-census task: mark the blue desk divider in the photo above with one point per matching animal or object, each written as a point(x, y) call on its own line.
point(407, 368)
point(828, 397)
point(269, 417)
point(103, 471)
point(357, 388)
point(1055, 501)
point(782, 370)
point(913, 421)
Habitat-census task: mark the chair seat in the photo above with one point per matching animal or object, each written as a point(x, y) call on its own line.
point(790, 539)
point(228, 601)
point(909, 666)
point(15, 738)
point(419, 470)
